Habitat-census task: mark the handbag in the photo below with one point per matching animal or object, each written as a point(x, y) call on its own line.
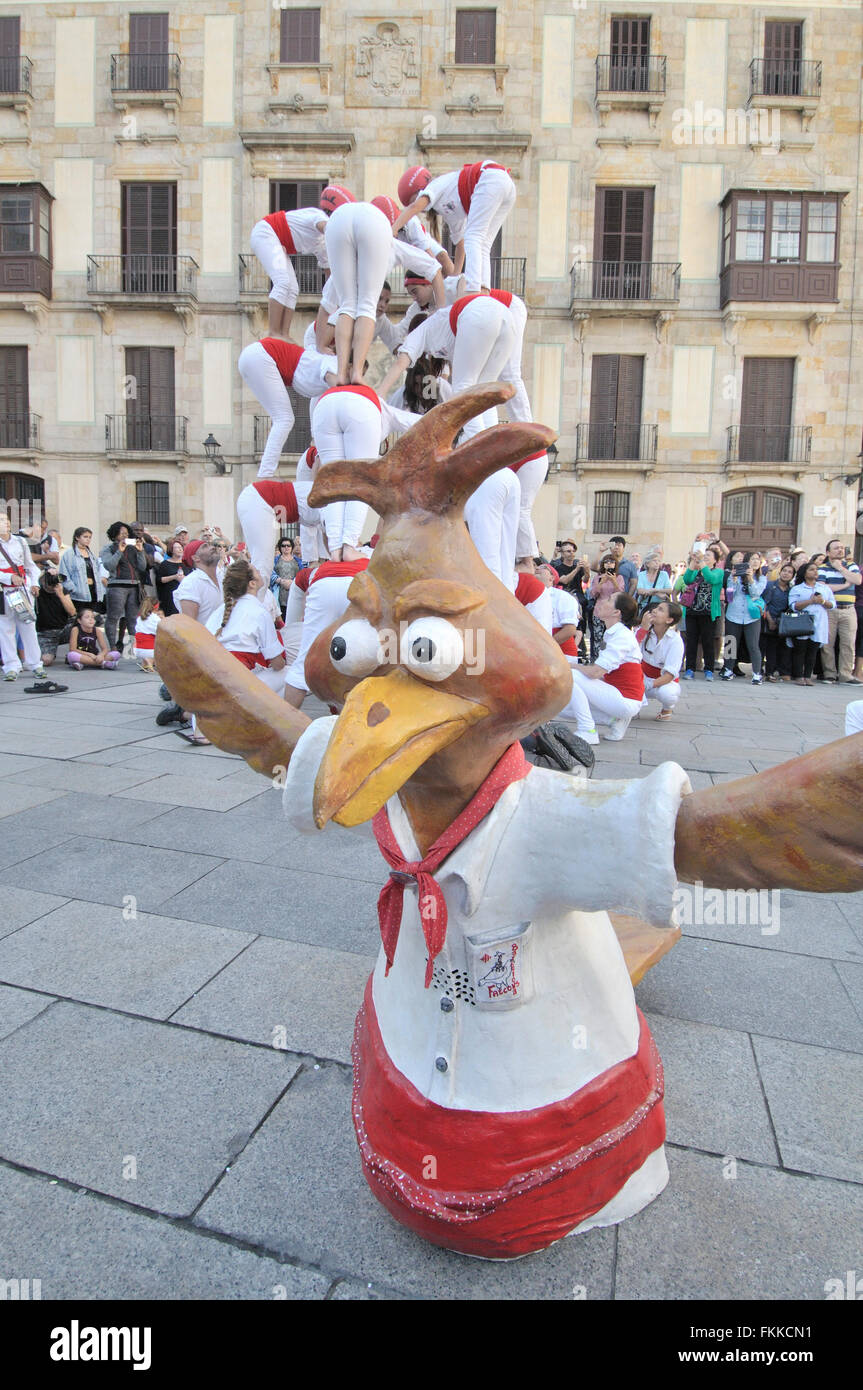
point(687, 596)
point(755, 608)
point(796, 624)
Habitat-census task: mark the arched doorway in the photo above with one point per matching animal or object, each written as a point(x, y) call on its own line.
point(22, 497)
point(759, 518)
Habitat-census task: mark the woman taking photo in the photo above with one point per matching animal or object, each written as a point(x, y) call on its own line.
point(743, 590)
point(809, 595)
point(169, 574)
point(604, 584)
point(284, 572)
point(83, 573)
point(654, 581)
point(700, 598)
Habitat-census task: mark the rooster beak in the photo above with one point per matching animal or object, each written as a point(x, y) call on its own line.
point(389, 726)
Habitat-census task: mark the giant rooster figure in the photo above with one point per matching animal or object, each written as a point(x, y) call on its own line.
point(507, 1089)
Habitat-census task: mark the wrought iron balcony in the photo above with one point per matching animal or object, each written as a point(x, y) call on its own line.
point(255, 281)
point(507, 273)
point(626, 281)
point(784, 77)
point(142, 275)
point(16, 77)
point(21, 431)
point(627, 443)
point(630, 72)
point(165, 434)
point(769, 444)
point(145, 72)
point(297, 441)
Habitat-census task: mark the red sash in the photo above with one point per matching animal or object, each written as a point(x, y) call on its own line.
point(279, 223)
point(628, 679)
point(285, 355)
point(540, 454)
point(359, 389)
point(469, 178)
point(337, 569)
point(145, 641)
point(568, 647)
point(502, 297)
point(528, 588)
point(251, 659)
point(283, 495)
point(303, 577)
point(652, 671)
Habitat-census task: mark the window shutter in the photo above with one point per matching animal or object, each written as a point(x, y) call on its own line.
point(475, 36)
point(603, 404)
point(300, 36)
point(14, 398)
point(148, 52)
point(630, 381)
point(783, 46)
point(765, 409)
point(630, 52)
point(10, 51)
point(623, 243)
point(149, 238)
point(162, 397)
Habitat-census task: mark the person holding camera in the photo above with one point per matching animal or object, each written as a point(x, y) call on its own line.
point(55, 612)
point(813, 596)
point(19, 579)
point(125, 560)
point(743, 590)
point(700, 596)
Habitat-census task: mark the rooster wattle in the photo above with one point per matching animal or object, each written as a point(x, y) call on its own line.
point(507, 1090)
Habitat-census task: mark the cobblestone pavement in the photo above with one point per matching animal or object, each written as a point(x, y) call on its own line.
point(179, 974)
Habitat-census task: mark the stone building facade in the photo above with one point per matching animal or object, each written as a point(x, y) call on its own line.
point(689, 210)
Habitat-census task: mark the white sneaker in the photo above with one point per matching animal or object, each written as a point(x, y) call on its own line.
point(11, 676)
point(589, 735)
point(615, 729)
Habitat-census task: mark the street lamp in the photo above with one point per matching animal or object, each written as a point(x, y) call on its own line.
point(213, 449)
point(554, 465)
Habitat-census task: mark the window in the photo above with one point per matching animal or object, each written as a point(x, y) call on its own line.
point(779, 246)
point(149, 238)
point(10, 53)
point(25, 221)
point(475, 36)
point(759, 518)
point(288, 196)
point(148, 52)
point(749, 245)
point(615, 407)
point(622, 243)
point(14, 398)
point(150, 420)
point(611, 512)
point(152, 504)
point(783, 50)
point(821, 232)
point(300, 38)
point(785, 231)
point(630, 54)
point(22, 498)
point(765, 409)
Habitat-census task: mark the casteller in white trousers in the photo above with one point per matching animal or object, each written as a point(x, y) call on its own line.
point(268, 368)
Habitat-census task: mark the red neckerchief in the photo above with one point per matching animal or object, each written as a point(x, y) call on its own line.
point(433, 914)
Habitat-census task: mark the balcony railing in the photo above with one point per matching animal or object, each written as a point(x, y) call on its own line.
point(254, 280)
point(627, 281)
point(630, 73)
point(628, 443)
point(784, 77)
point(146, 434)
point(297, 441)
point(507, 273)
point(769, 444)
point(142, 275)
point(16, 77)
point(22, 431)
point(145, 72)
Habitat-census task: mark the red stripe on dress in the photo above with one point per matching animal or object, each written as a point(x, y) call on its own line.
point(145, 641)
point(507, 1182)
point(285, 355)
point(653, 671)
point(359, 389)
point(628, 679)
point(277, 494)
point(280, 225)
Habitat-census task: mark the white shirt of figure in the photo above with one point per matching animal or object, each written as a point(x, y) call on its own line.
point(564, 607)
point(665, 652)
point(304, 230)
point(619, 648)
point(19, 554)
point(443, 196)
point(434, 337)
point(199, 588)
point(417, 235)
point(249, 628)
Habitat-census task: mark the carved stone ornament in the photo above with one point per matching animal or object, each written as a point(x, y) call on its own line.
point(387, 59)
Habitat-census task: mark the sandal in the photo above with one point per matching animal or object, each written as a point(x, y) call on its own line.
point(45, 687)
point(193, 737)
point(664, 715)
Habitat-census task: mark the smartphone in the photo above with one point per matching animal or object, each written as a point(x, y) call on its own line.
point(741, 569)
point(699, 548)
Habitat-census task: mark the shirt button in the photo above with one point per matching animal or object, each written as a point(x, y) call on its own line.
point(441, 1063)
point(447, 1006)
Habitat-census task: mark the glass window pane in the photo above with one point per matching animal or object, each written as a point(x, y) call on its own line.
point(785, 234)
point(822, 217)
point(820, 246)
point(751, 220)
point(738, 509)
point(778, 509)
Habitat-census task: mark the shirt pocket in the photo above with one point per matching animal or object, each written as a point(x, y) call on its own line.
point(500, 966)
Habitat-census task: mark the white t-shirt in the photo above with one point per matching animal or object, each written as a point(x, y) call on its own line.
point(413, 259)
point(20, 555)
point(665, 652)
point(564, 608)
point(199, 588)
point(249, 628)
point(443, 196)
point(304, 229)
point(415, 233)
point(619, 647)
point(434, 337)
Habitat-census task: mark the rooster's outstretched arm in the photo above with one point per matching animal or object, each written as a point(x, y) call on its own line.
point(798, 825)
point(235, 710)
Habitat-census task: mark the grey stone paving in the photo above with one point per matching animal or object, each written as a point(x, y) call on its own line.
point(179, 974)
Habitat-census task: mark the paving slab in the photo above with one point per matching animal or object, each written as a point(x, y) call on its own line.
point(815, 1096)
point(852, 979)
point(19, 843)
point(18, 1006)
point(713, 1096)
point(78, 777)
point(101, 871)
point(336, 850)
point(81, 1247)
point(143, 964)
point(316, 908)
point(21, 905)
point(204, 793)
point(179, 759)
point(298, 1190)
point(807, 924)
point(116, 1092)
point(762, 1234)
point(250, 831)
point(86, 813)
point(16, 797)
point(10, 763)
point(301, 998)
point(782, 996)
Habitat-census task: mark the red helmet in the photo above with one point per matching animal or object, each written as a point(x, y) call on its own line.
point(333, 196)
point(388, 206)
point(412, 183)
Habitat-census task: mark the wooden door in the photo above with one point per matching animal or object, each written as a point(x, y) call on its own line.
point(765, 409)
point(630, 52)
point(616, 388)
point(623, 243)
point(14, 398)
point(150, 421)
point(148, 52)
point(783, 47)
point(10, 53)
point(149, 238)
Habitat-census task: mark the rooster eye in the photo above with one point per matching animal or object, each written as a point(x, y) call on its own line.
point(355, 648)
point(432, 648)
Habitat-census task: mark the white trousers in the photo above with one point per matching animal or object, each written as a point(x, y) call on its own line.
point(667, 695)
point(359, 245)
point(531, 477)
point(274, 680)
point(259, 523)
point(605, 701)
point(276, 262)
point(492, 515)
point(492, 201)
point(519, 407)
point(346, 426)
point(854, 717)
point(264, 380)
point(9, 626)
point(326, 602)
point(484, 344)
